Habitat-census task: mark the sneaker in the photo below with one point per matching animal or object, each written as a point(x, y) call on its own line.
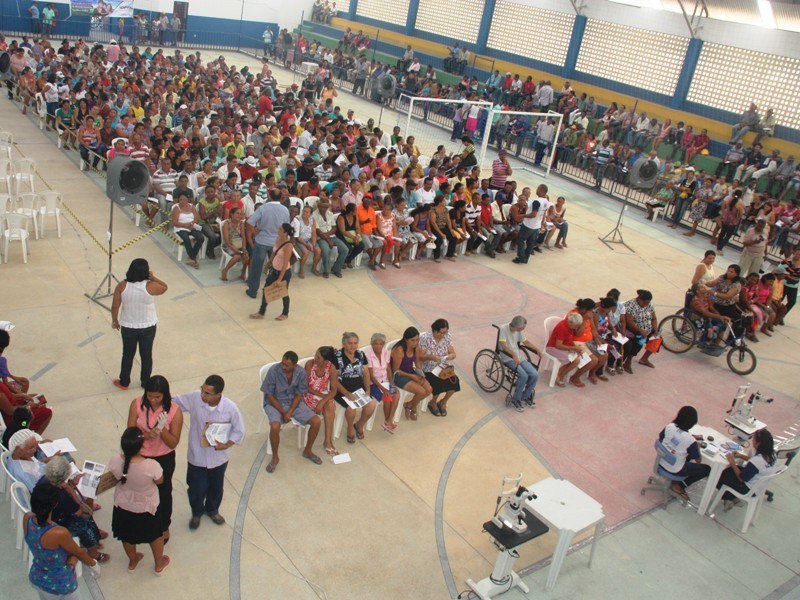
point(518, 406)
point(619, 369)
point(217, 518)
point(529, 401)
point(194, 523)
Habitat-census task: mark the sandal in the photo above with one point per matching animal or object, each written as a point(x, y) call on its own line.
point(331, 451)
point(359, 434)
point(577, 383)
point(270, 468)
point(396, 264)
point(313, 458)
point(442, 409)
point(102, 558)
point(561, 383)
point(382, 266)
point(351, 439)
point(678, 489)
point(434, 409)
point(389, 428)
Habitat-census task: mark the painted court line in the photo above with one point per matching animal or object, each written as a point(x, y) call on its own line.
point(184, 295)
point(42, 371)
point(90, 339)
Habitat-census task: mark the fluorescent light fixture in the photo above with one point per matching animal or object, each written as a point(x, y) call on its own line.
point(654, 4)
point(767, 17)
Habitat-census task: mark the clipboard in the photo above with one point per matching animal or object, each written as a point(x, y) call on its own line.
point(107, 481)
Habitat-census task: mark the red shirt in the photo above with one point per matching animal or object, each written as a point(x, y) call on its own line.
point(486, 216)
point(701, 141)
point(561, 332)
point(264, 104)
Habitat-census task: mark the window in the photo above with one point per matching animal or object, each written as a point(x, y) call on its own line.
point(645, 59)
point(731, 78)
point(391, 12)
point(519, 30)
point(343, 6)
point(459, 19)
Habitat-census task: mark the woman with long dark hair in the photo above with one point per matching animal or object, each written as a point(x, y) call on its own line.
point(730, 214)
point(135, 519)
point(280, 269)
point(54, 552)
point(161, 422)
point(743, 478)
point(408, 374)
point(133, 312)
point(677, 439)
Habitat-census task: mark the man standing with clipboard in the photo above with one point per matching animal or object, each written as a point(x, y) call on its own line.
point(205, 472)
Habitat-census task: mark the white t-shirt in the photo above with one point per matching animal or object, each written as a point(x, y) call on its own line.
point(424, 197)
point(678, 442)
point(536, 222)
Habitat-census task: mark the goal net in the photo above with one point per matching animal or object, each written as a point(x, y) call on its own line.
point(433, 122)
point(529, 136)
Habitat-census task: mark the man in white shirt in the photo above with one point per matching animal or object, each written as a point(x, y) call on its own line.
point(530, 235)
point(545, 97)
point(426, 194)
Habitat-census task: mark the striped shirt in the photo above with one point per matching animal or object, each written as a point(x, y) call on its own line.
point(139, 153)
point(603, 155)
point(166, 181)
point(138, 310)
point(499, 173)
point(473, 213)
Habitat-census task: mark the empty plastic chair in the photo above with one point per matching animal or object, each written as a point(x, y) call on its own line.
point(15, 229)
point(29, 204)
point(21, 501)
point(24, 171)
point(6, 174)
point(6, 143)
point(51, 206)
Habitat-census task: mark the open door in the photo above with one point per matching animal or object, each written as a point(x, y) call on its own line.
point(180, 10)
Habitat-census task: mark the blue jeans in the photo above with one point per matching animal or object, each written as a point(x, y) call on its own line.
point(205, 487)
point(257, 259)
point(341, 255)
point(680, 207)
point(525, 241)
point(527, 376)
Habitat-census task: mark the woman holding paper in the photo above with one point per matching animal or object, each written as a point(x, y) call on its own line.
point(161, 422)
point(280, 269)
point(135, 519)
point(380, 374)
point(321, 372)
point(436, 349)
point(73, 511)
point(354, 375)
point(640, 323)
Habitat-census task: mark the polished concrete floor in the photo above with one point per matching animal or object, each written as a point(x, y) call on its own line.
point(403, 519)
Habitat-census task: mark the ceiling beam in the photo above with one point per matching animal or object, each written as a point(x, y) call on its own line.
point(699, 10)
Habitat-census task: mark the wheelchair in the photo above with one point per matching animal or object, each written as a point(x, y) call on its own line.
point(491, 374)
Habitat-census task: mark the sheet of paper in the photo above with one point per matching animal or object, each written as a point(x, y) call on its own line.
point(602, 348)
point(341, 458)
point(51, 448)
point(614, 352)
point(92, 471)
point(218, 433)
point(360, 399)
point(586, 358)
point(620, 339)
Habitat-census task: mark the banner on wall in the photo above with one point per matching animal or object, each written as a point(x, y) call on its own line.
point(103, 8)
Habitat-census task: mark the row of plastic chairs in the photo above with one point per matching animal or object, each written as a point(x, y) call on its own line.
point(15, 173)
point(19, 500)
point(18, 212)
point(338, 424)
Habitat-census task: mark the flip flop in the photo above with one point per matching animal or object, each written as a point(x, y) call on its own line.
point(647, 364)
point(389, 428)
point(332, 451)
point(314, 459)
point(577, 383)
point(442, 410)
point(351, 439)
point(271, 467)
point(102, 558)
point(139, 557)
point(434, 409)
point(359, 434)
point(561, 383)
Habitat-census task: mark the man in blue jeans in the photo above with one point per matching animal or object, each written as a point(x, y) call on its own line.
point(511, 339)
point(262, 231)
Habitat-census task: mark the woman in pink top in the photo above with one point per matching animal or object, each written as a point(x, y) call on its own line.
point(136, 501)
point(161, 422)
point(280, 270)
point(380, 375)
point(320, 371)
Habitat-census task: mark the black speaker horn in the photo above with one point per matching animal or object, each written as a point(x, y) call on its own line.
point(128, 180)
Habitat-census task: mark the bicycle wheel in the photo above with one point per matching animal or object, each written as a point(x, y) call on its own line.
point(678, 333)
point(742, 360)
point(488, 371)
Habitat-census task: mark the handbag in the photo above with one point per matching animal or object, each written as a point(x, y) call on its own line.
point(447, 372)
point(653, 345)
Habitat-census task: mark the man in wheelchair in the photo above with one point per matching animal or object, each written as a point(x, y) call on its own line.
point(712, 325)
point(510, 339)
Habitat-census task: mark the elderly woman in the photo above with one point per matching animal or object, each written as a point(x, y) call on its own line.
point(321, 376)
point(73, 511)
point(234, 243)
point(408, 375)
point(352, 365)
point(305, 234)
point(135, 519)
point(23, 464)
point(54, 553)
point(436, 350)
point(161, 422)
point(640, 323)
point(590, 337)
point(380, 373)
point(563, 345)
point(714, 321)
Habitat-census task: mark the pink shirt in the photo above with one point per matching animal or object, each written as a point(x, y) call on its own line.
point(146, 420)
point(139, 493)
point(379, 365)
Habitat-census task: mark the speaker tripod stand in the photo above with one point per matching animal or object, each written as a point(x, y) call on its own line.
point(109, 279)
point(615, 235)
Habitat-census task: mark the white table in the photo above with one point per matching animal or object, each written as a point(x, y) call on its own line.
point(716, 461)
point(565, 508)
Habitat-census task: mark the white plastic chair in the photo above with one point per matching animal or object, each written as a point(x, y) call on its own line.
point(51, 205)
point(6, 203)
point(404, 395)
point(6, 143)
point(21, 502)
point(6, 174)
point(29, 204)
point(552, 362)
point(298, 202)
point(302, 430)
point(41, 109)
point(311, 201)
point(339, 420)
point(24, 171)
point(8, 478)
point(753, 498)
point(15, 228)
